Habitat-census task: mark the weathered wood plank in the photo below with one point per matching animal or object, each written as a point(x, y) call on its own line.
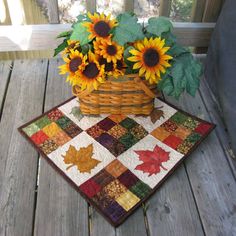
point(129, 5)
point(99, 226)
point(212, 10)
point(53, 11)
point(172, 210)
point(210, 175)
point(41, 37)
point(198, 10)
point(5, 70)
point(18, 160)
point(60, 210)
point(91, 6)
point(123, 230)
point(216, 114)
point(165, 6)
point(134, 225)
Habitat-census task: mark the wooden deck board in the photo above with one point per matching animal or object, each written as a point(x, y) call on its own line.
point(211, 177)
point(60, 209)
point(172, 209)
point(198, 199)
point(5, 69)
point(215, 114)
point(18, 160)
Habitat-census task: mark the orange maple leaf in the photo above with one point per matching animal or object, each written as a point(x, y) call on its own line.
point(82, 158)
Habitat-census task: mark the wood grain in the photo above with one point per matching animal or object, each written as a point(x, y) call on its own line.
point(18, 160)
point(91, 6)
point(165, 6)
point(172, 209)
point(212, 10)
point(129, 5)
point(41, 37)
point(5, 69)
point(53, 11)
point(198, 10)
point(60, 210)
point(216, 114)
point(211, 177)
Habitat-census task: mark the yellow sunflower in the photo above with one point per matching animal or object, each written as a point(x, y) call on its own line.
point(100, 25)
point(92, 75)
point(112, 69)
point(72, 44)
point(74, 62)
point(108, 49)
point(150, 58)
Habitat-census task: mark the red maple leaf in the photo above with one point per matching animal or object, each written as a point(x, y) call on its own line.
point(152, 160)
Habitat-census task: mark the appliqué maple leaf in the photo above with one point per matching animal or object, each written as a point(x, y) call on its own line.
point(152, 160)
point(76, 112)
point(82, 158)
point(156, 114)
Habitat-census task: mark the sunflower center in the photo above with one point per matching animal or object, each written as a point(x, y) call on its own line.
point(111, 50)
point(102, 28)
point(119, 65)
point(91, 70)
point(109, 66)
point(75, 63)
point(151, 57)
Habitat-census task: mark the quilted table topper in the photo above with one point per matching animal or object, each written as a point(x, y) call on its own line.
point(115, 161)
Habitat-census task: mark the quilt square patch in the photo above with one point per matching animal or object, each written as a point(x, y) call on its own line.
point(116, 161)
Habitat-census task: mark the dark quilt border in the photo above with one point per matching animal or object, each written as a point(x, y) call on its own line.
point(76, 187)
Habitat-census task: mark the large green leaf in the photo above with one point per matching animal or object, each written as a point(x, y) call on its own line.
point(60, 47)
point(185, 73)
point(64, 34)
point(80, 33)
point(159, 25)
point(166, 85)
point(177, 50)
point(128, 29)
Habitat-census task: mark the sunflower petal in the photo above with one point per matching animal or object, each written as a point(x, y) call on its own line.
point(137, 65)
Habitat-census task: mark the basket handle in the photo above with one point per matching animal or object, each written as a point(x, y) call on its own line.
point(81, 94)
point(144, 87)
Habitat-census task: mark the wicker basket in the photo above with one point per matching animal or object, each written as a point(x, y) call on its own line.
point(127, 94)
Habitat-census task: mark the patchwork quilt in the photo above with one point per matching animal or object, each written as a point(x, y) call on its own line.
point(115, 161)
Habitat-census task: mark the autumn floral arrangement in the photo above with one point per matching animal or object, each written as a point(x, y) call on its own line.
point(104, 54)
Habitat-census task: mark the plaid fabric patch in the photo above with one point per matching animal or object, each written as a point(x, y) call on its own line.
point(128, 156)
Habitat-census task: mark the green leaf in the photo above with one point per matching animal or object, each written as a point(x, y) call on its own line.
point(159, 25)
point(64, 34)
point(60, 47)
point(128, 54)
point(85, 48)
point(177, 50)
point(81, 18)
point(80, 33)
point(128, 29)
point(185, 73)
point(76, 112)
point(170, 38)
point(166, 85)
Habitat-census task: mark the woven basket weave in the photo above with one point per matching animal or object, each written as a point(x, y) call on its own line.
point(127, 94)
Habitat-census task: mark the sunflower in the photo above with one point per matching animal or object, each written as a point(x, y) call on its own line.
point(112, 69)
point(150, 58)
point(74, 62)
point(108, 49)
point(92, 75)
point(71, 44)
point(99, 26)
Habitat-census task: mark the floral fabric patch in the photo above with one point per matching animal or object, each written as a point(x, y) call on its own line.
point(116, 161)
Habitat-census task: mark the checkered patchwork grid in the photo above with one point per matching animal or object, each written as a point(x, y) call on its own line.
point(116, 186)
